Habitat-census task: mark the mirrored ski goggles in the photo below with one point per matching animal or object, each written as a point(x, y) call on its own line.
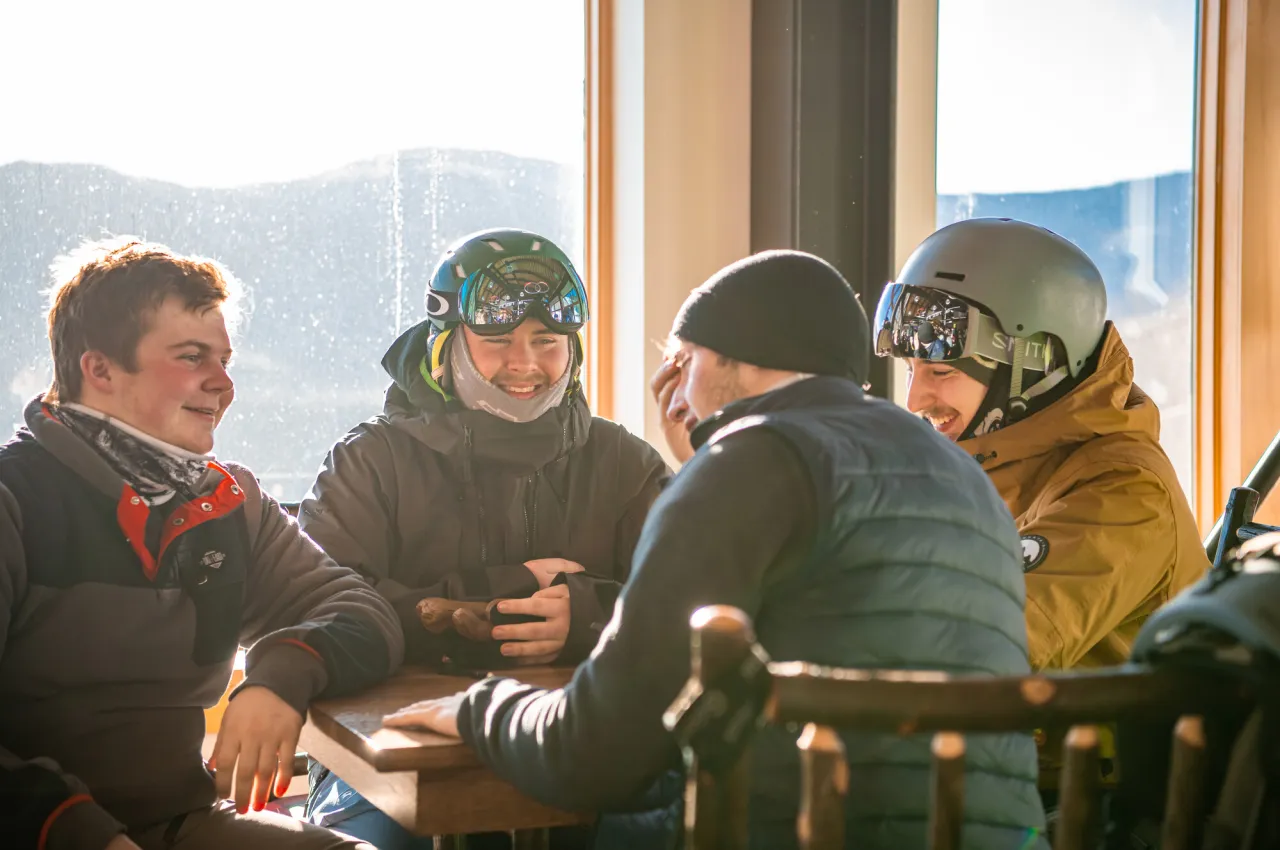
point(495, 299)
point(923, 323)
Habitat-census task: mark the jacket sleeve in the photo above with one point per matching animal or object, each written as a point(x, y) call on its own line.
point(313, 626)
point(591, 598)
point(351, 514)
point(1100, 546)
point(40, 804)
point(714, 537)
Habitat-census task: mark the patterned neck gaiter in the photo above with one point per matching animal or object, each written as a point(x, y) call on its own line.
point(153, 468)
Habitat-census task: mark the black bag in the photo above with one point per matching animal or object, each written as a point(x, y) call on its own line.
point(1228, 623)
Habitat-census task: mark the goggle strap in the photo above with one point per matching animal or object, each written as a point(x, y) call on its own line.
point(1050, 381)
point(984, 338)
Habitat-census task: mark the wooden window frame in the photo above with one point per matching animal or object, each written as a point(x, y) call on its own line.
point(599, 201)
point(667, 180)
point(1237, 254)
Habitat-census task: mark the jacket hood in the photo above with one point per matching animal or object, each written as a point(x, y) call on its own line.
point(1106, 402)
point(445, 425)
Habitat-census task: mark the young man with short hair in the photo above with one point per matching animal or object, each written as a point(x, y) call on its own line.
point(1039, 390)
point(485, 477)
point(133, 565)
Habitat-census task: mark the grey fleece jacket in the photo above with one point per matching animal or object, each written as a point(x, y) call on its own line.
point(119, 625)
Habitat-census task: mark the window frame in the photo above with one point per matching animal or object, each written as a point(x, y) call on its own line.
point(1237, 258)
point(599, 205)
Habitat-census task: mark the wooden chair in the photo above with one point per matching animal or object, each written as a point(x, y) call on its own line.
point(728, 667)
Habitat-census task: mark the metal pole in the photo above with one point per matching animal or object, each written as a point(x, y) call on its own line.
point(1262, 479)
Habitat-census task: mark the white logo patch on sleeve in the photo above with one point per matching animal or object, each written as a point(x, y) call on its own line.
point(1034, 550)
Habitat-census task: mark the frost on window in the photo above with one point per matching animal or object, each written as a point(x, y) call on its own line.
point(328, 188)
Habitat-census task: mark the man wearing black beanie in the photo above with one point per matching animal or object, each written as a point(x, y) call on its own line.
point(851, 534)
point(779, 311)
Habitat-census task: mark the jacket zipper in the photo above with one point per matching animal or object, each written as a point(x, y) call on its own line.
point(531, 501)
point(525, 509)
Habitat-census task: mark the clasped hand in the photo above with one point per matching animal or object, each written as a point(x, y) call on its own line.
point(536, 643)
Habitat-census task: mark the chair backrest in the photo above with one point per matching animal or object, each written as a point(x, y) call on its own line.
point(733, 686)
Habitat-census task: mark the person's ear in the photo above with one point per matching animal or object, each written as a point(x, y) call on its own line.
point(97, 371)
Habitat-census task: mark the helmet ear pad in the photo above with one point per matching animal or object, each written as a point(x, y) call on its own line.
point(999, 380)
point(438, 348)
point(1058, 356)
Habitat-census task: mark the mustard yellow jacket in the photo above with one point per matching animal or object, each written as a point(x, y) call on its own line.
point(1107, 533)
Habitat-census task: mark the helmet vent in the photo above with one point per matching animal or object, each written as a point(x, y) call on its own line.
point(536, 246)
point(459, 272)
point(494, 244)
point(956, 276)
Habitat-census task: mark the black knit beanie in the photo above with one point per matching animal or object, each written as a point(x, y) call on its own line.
point(780, 310)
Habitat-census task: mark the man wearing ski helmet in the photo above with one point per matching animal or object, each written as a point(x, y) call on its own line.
point(1038, 388)
point(486, 477)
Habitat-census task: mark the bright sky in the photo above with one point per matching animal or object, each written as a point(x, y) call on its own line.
point(1037, 95)
point(1032, 94)
point(239, 91)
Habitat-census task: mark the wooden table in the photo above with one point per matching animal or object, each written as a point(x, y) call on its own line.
point(429, 784)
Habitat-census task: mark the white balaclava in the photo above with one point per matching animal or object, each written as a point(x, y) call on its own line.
point(477, 393)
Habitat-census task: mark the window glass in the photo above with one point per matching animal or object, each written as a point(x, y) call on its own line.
point(326, 154)
point(1079, 115)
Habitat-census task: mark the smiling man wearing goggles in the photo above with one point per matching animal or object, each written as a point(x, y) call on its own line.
point(1003, 328)
point(485, 477)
